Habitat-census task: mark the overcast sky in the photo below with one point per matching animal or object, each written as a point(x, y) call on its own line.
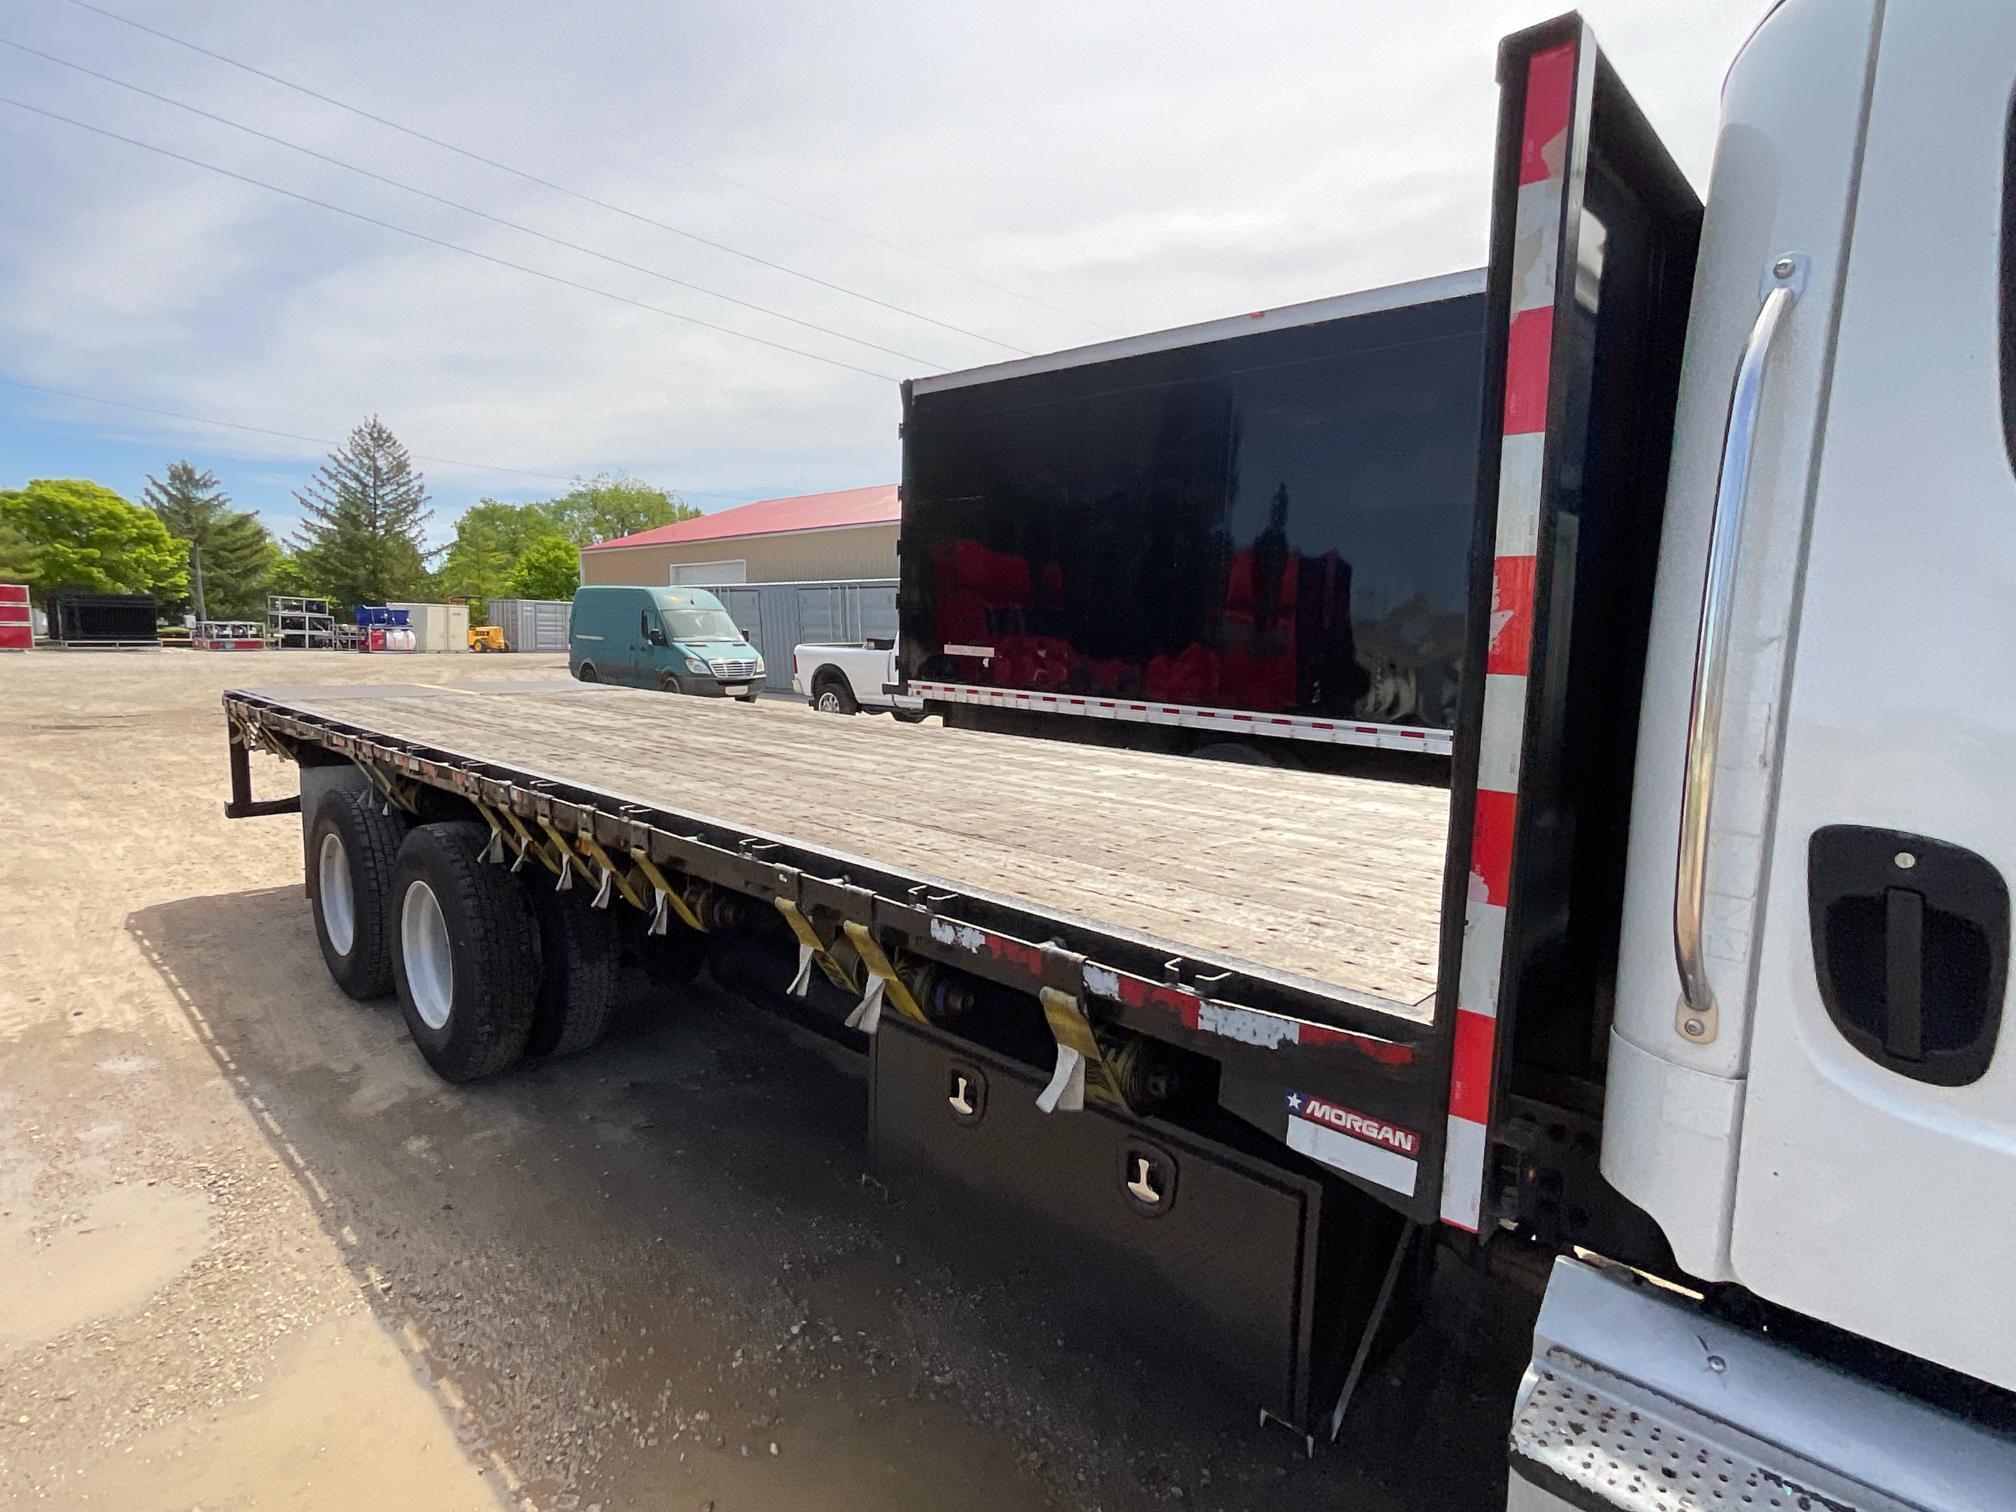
point(1125, 167)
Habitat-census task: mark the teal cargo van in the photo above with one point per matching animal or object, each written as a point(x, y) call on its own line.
point(679, 640)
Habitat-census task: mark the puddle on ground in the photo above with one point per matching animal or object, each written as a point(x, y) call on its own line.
point(341, 1424)
point(126, 1244)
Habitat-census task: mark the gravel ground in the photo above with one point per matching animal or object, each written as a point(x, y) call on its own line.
point(255, 1255)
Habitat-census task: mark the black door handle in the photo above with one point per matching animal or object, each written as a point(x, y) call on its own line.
point(1911, 945)
point(1904, 973)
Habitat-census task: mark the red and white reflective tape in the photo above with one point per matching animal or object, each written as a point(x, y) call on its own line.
point(1529, 340)
point(1353, 732)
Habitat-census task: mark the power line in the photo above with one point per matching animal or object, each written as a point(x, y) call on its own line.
point(264, 430)
point(867, 236)
point(534, 178)
point(435, 241)
point(279, 141)
point(756, 190)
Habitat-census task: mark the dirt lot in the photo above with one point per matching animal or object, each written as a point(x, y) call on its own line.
point(253, 1255)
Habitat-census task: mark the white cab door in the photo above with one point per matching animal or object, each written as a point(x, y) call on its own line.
point(1876, 1178)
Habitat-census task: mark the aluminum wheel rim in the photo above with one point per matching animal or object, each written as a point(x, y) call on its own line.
point(332, 888)
point(829, 702)
point(430, 967)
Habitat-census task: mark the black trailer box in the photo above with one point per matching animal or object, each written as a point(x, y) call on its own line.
point(1269, 514)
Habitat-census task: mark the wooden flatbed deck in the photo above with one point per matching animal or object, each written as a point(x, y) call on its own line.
point(1332, 878)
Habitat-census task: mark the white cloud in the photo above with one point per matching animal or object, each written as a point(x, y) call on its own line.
point(1141, 165)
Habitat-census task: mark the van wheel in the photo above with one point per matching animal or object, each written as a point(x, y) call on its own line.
point(831, 695)
point(586, 673)
point(466, 964)
point(350, 858)
point(577, 971)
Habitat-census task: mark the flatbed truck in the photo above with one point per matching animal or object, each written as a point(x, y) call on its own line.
point(1683, 999)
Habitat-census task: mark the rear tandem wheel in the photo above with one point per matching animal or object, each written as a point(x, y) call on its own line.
point(466, 964)
point(351, 851)
point(577, 970)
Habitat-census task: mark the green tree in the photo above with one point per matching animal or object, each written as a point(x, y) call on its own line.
point(291, 576)
point(606, 506)
point(365, 510)
point(489, 538)
point(549, 568)
point(20, 558)
point(84, 535)
point(232, 557)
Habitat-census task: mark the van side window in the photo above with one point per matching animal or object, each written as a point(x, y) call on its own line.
point(644, 626)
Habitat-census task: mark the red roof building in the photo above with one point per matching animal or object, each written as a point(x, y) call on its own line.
point(847, 534)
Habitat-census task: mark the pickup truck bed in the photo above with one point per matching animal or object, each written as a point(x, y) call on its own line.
point(1332, 880)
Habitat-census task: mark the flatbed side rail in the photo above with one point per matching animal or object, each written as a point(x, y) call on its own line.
point(1291, 1037)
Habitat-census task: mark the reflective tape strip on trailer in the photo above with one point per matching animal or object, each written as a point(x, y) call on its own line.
point(1529, 340)
point(1387, 737)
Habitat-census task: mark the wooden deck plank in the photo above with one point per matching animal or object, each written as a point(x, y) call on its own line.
point(1329, 877)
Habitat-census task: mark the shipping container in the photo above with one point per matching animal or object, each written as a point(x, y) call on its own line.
point(437, 627)
point(532, 624)
point(1268, 515)
point(776, 617)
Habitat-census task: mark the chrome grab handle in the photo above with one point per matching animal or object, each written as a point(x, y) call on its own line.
point(1696, 1015)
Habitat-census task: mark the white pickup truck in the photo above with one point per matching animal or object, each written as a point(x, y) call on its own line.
point(847, 677)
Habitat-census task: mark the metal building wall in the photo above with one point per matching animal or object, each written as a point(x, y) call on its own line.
point(779, 616)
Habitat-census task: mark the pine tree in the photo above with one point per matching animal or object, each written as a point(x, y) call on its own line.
point(365, 510)
point(231, 555)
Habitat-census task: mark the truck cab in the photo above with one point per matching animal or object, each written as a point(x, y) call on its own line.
point(1793, 1054)
point(675, 640)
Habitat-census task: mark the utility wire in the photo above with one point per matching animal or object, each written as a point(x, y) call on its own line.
point(644, 145)
point(264, 430)
point(868, 236)
point(534, 178)
point(279, 141)
point(435, 241)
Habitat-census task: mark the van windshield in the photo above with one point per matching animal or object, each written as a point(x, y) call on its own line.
point(701, 625)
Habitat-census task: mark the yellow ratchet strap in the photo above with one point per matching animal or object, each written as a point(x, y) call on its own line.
point(669, 901)
point(813, 949)
point(883, 984)
point(1081, 1065)
point(611, 877)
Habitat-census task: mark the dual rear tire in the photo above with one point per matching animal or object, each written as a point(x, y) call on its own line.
point(466, 967)
point(488, 967)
